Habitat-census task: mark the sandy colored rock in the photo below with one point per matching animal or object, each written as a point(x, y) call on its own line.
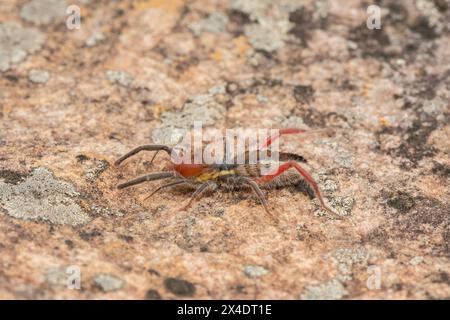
point(375, 103)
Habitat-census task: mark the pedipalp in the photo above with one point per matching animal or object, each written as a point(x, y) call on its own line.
point(148, 147)
point(148, 177)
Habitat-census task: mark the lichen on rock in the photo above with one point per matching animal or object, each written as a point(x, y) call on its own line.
point(39, 76)
point(121, 78)
point(267, 35)
point(253, 271)
point(42, 197)
point(251, 7)
point(214, 23)
point(108, 282)
point(42, 12)
point(202, 109)
point(329, 290)
point(16, 42)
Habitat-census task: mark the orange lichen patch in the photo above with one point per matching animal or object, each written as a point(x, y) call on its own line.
point(115, 248)
point(87, 12)
point(157, 109)
point(6, 296)
point(217, 55)
point(122, 5)
point(250, 99)
point(166, 5)
point(366, 89)
point(384, 122)
point(241, 47)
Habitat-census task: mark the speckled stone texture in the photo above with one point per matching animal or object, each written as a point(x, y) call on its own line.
point(73, 101)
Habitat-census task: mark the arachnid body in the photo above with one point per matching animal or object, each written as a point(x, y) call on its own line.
point(210, 176)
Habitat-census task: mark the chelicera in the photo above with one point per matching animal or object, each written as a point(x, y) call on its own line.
point(209, 177)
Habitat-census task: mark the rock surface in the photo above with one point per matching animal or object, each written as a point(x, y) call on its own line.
point(137, 72)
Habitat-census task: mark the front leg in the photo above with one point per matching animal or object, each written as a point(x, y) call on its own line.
point(148, 147)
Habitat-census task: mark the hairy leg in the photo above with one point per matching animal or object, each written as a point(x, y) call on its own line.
point(164, 186)
point(305, 174)
point(259, 194)
point(198, 193)
point(256, 189)
point(149, 177)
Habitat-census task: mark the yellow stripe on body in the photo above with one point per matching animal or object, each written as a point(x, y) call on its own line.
point(214, 175)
